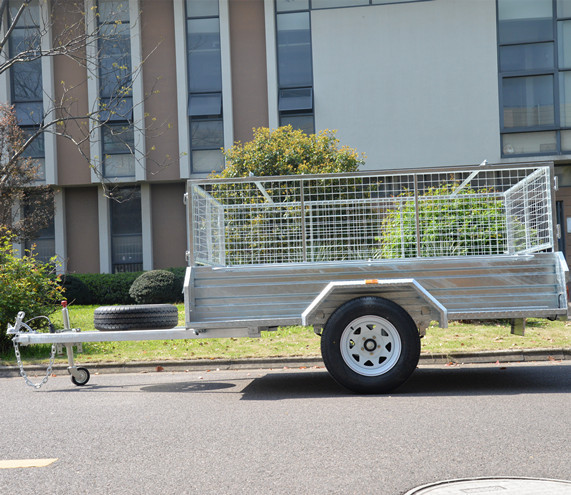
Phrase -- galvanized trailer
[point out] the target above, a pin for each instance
(368, 259)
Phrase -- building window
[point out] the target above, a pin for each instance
(126, 230)
(285, 5)
(26, 77)
(205, 106)
(295, 68)
(43, 242)
(535, 76)
(115, 89)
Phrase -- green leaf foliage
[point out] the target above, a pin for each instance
(468, 223)
(156, 287)
(108, 288)
(288, 151)
(25, 285)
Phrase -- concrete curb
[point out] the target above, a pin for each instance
(509, 356)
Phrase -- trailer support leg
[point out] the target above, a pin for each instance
(518, 326)
(72, 368)
(79, 376)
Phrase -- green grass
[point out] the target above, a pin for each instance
(294, 341)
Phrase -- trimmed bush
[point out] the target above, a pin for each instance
(76, 291)
(155, 287)
(109, 288)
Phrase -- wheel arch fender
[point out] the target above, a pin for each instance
(422, 306)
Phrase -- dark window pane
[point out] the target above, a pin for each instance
(201, 8)
(298, 99)
(25, 41)
(294, 50)
(27, 81)
(207, 161)
(563, 8)
(523, 30)
(118, 139)
(204, 65)
(527, 57)
(30, 16)
(26, 75)
(127, 253)
(207, 134)
(563, 43)
(30, 114)
(36, 148)
(529, 143)
(117, 109)
(303, 122)
(113, 10)
(565, 98)
(289, 5)
(205, 105)
(114, 62)
(324, 4)
(528, 101)
(391, 1)
(126, 212)
(525, 20)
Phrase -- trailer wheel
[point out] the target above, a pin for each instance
(83, 377)
(136, 317)
(370, 345)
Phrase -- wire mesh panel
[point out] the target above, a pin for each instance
(529, 214)
(208, 228)
(351, 217)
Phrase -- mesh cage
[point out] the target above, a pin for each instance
(356, 217)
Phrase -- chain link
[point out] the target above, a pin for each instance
(23, 372)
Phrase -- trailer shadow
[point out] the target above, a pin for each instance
(425, 382)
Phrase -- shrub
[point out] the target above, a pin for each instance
(25, 285)
(469, 223)
(76, 291)
(155, 287)
(109, 288)
(288, 151)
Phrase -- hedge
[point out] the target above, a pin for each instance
(155, 287)
(107, 288)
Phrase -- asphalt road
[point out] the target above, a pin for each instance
(284, 431)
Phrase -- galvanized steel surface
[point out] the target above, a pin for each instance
(382, 215)
(486, 287)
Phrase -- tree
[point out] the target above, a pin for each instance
(17, 176)
(61, 30)
(287, 151)
(263, 219)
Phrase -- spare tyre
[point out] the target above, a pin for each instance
(136, 317)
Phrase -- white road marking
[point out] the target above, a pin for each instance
(26, 463)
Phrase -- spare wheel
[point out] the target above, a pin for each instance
(136, 317)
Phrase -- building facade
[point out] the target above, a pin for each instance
(411, 84)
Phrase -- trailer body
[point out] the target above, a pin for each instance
(368, 259)
(264, 249)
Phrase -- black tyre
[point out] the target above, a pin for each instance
(83, 377)
(137, 317)
(370, 345)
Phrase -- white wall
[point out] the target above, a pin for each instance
(411, 84)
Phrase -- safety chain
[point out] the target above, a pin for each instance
(23, 373)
